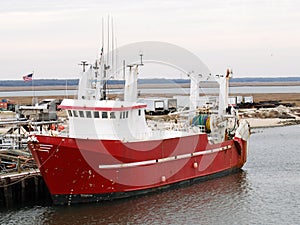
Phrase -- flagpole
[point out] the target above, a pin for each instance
(33, 89)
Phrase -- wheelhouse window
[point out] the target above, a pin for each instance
(139, 112)
(88, 114)
(112, 115)
(75, 113)
(104, 115)
(81, 114)
(70, 113)
(124, 115)
(96, 114)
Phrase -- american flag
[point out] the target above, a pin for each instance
(28, 77)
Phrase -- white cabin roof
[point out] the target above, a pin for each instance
(103, 105)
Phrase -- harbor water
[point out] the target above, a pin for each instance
(266, 191)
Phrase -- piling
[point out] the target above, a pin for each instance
(21, 188)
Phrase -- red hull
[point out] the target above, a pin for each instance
(80, 170)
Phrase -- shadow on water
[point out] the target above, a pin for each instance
(210, 201)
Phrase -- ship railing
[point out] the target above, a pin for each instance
(167, 125)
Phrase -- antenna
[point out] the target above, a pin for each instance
(141, 56)
(112, 43)
(107, 60)
(102, 50)
(116, 57)
(124, 68)
(136, 64)
(83, 64)
(102, 32)
(96, 67)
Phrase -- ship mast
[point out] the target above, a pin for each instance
(223, 95)
(130, 92)
(104, 63)
(108, 61)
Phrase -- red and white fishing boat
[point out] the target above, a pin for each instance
(112, 151)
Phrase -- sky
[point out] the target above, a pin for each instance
(256, 38)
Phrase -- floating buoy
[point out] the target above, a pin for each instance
(60, 128)
(163, 179)
(195, 165)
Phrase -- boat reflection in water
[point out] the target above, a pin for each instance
(216, 200)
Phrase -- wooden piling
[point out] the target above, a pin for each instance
(20, 188)
(23, 193)
(8, 196)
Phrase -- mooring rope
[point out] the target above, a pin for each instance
(19, 180)
(54, 151)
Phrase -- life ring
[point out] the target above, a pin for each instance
(53, 127)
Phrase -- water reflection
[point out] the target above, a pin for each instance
(198, 203)
(240, 90)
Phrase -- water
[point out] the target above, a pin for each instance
(265, 192)
(233, 90)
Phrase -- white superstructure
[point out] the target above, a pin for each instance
(93, 116)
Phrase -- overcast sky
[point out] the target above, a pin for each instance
(256, 38)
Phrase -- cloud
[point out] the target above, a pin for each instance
(46, 32)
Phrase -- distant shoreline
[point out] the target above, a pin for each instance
(163, 85)
(282, 97)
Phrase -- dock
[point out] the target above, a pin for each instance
(19, 188)
(20, 179)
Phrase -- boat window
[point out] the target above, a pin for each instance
(75, 113)
(104, 115)
(70, 113)
(139, 112)
(88, 114)
(96, 114)
(112, 115)
(81, 114)
(121, 115)
(126, 114)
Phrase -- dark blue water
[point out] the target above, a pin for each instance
(267, 191)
